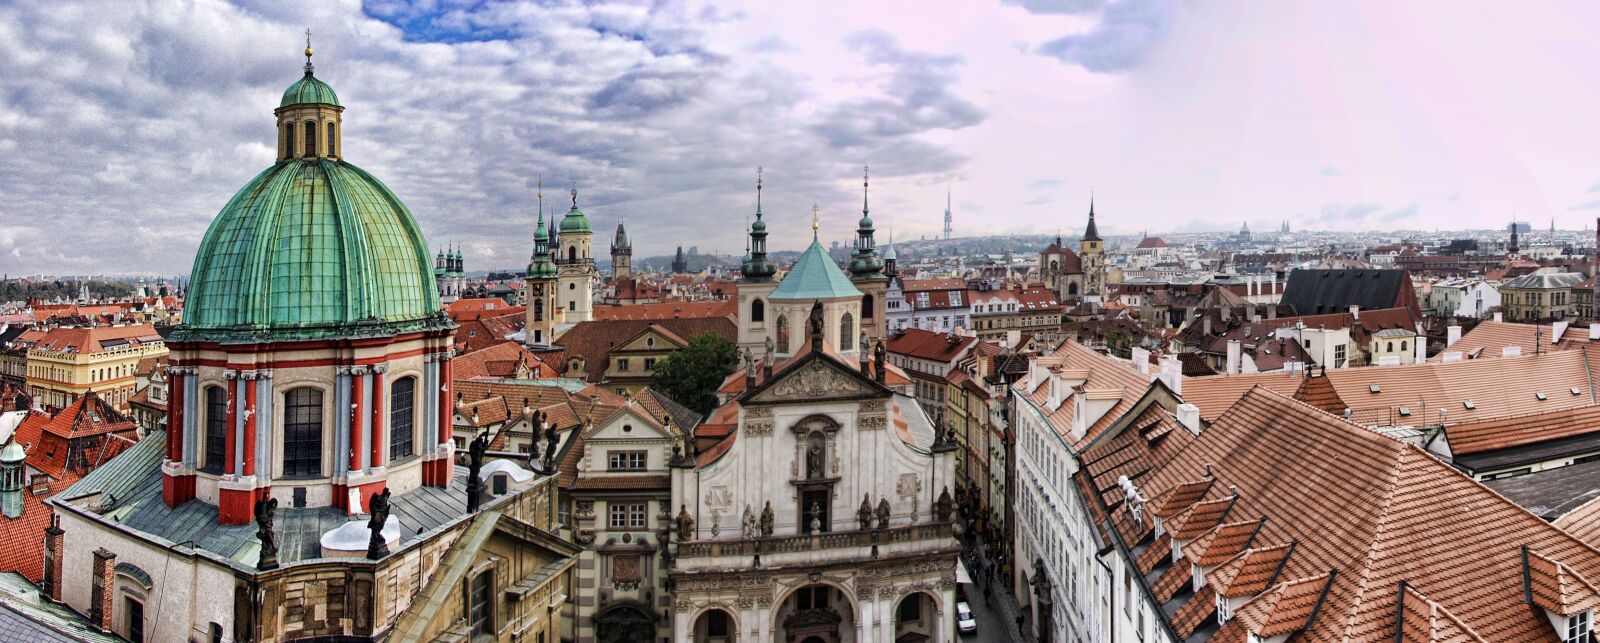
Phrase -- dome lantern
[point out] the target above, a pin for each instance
(310, 124)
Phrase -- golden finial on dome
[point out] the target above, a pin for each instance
(814, 209)
(308, 52)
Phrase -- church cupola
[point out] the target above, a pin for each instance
(865, 264)
(12, 458)
(310, 124)
(758, 267)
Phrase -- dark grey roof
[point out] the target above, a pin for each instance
(681, 415)
(1530, 454)
(1552, 492)
(1317, 292)
(1544, 281)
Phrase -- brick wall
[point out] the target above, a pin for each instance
(100, 593)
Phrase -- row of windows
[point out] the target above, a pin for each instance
(302, 427)
(310, 140)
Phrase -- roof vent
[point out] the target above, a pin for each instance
(1542, 397)
(1469, 405)
(1375, 388)
(1575, 391)
(1405, 411)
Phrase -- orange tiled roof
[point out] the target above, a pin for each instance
(1502, 433)
(1583, 522)
(1286, 608)
(1105, 373)
(1489, 339)
(22, 548)
(1249, 572)
(1220, 543)
(96, 339)
(1372, 509)
(1425, 621)
(1558, 588)
(670, 310)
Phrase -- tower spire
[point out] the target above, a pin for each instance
(308, 51)
(864, 172)
(758, 192)
(814, 227)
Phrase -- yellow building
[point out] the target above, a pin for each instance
(67, 362)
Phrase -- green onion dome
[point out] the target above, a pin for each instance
(311, 249)
(575, 221)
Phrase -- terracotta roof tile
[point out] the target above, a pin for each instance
(630, 483)
(1285, 607)
(1194, 612)
(1178, 499)
(1558, 588)
(1502, 433)
(1176, 579)
(1159, 551)
(1200, 517)
(594, 340)
(926, 344)
(1220, 543)
(1583, 522)
(1424, 621)
(1250, 571)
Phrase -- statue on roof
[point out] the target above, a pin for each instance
(942, 506)
(377, 546)
(884, 513)
(265, 508)
(685, 524)
(816, 326)
(880, 359)
(864, 514)
(550, 442)
(475, 452)
(749, 525)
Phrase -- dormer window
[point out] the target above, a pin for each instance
(1580, 628)
(1224, 610)
(1255, 638)
(1197, 575)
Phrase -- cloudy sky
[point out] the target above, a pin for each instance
(125, 126)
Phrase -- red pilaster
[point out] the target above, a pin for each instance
(233, 425)
(357, 420)
(250, 428)
(173, 430)
(377, 458)
(236, 506)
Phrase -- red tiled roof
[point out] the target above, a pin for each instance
(943, 283)
(594, 340)
(1425, 621)
(1373, 509)
(727, 308)
(1105, 375)
(22, 547)
(1490, 338)
(1558, 588)
(1501, 433)
(96, 339)
(623, 482)
(1285, 608)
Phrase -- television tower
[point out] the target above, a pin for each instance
(947, 213)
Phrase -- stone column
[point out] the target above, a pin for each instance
(264, 428)
(341, 427)
(248, 456)
(358, 395)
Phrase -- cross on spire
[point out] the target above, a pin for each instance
(308, 51)
(814, 227)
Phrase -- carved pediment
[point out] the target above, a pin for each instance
(815, 380)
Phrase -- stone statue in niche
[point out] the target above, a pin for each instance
(749, 526)
(685, 524)
(883, 513)
(815, 454)
(864, 514)
(942, 506)
(767, 520)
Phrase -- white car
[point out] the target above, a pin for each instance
(964, 621)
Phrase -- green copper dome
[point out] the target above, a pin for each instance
(309, 90)
(574, 221)
(814, 276)
(311, 249)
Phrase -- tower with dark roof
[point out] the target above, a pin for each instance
(621, 253)
(755, 285)
(1091, 250)
(866, 270)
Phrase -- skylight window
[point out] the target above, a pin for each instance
(1542, 397)
(1575, 391)
(1375, 388)
(1405, 411)
(1469, 405)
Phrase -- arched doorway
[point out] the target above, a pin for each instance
(625, 622)
(816, 614)
(715, 626)
(916, 619)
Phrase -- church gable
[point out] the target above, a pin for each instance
(629, 424)
(815, 379)
(651, 339)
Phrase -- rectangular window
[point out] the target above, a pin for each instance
(402, 419)
(1579, 627)
(216, 429)
(622, 364)
(649, 363)
(480, 604)
(626, 460)
(136, 619)
(302, 432)
(627, 515)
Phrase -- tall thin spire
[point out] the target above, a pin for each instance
(308, 52)
(864, 172)
(814, 226)
(758, 192)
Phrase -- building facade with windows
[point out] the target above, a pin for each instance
(825, 510)
(67, 362)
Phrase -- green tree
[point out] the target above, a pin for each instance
(691, 375)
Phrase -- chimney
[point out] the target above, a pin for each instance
(1189, 417)
(1272, 310)
(1172, 373)
(1234, 347)
(1450, 357)
(1498, 318)
(1205, 324)
(1452, 333)
(1422, 349)
(1594, 332)
(1141, 359)
(1355, 312)
(1557, 329)
(1510, 351)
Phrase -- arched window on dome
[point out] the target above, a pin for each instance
(330, 140)
(402, 417)
(867, 307)
(783, 334)
(758, 311)
(302, 432)
(288, 141)
(216, 439)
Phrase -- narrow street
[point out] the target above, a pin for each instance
(992, 606)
